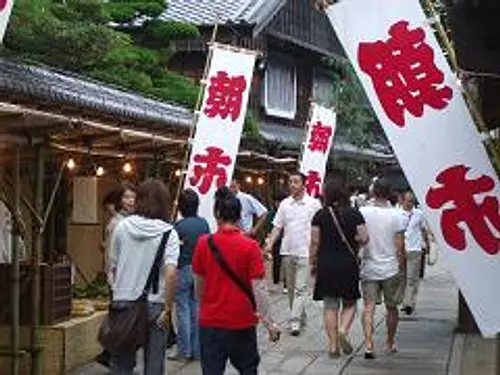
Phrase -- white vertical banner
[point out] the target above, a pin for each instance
(319, 140)
(421, 107)
(5, 11)
(220, 124)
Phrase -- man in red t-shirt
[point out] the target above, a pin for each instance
(227, 315)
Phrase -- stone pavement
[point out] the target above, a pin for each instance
(425, 340)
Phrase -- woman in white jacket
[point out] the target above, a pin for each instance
(134, 244)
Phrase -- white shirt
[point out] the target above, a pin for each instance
(295, 218)
(250, 207)
(379, 259)
(413, 234)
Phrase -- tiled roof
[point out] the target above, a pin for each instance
(43, 83)
(208, 12)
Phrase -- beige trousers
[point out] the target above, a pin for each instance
(297, 282)
(413, 264)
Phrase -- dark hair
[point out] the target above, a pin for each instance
(382, 188)
(227, 206)
(124, 187)
(113, 197)
(302, 176)
(335, 192)
(189, 203)
(152, 200)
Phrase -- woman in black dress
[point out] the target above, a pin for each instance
(337, 232)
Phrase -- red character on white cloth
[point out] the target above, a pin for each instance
(210, 168)
(404, 74)
(462, 207)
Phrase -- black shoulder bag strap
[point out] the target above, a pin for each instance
(230, 272)
(154, 274)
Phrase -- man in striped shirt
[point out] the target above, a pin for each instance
(294, 217)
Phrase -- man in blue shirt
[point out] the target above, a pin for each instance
(250, 208)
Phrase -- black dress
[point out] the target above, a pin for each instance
(337, 271)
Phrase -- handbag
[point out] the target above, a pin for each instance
(230, 272)
(342, 234)
(125, 328)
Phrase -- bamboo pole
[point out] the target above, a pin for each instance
(36, 259)
(476, 114)
(15, 329)
(197, 107)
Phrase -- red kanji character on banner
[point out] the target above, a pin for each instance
(320, 137)
(214, 168)
(403, 73)
(313, 183)
(3, 4)
(461, 193)
(225, 96)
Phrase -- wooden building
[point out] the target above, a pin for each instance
(297, 46)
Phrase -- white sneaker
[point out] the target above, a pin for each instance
(285, 291)
(295, 329)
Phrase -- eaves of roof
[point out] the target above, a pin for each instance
(42, 83)
(256, 13)
(294, 137)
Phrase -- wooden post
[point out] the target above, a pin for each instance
(15, 330)
(36, 258)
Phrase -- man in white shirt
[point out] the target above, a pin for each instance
(294, 218)
(250, 208)
(382, 261)
(415, 241)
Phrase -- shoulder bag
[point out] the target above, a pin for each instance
(125, 328)
(230, 272)
(342, 234)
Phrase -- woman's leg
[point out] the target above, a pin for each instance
(331, 318)
(346, 319)
(154, 352)
(182, 308)
(347, 316)
(122, 364)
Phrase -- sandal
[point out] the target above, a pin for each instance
(334, 355)
(369, 354)
(392, 348)
(345, 344)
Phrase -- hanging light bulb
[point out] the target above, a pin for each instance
(249, 179)
(71, 164)
(127, 167)
(260, 181)
(99, 171)
(178, 173)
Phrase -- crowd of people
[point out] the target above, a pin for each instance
(216, 285)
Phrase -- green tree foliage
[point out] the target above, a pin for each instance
(122, 42)
(357, 122)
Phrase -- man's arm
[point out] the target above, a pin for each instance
(170, 280)
(261, 220)
(199, 284)
(399, 241)
(271, 239)
(261, 294)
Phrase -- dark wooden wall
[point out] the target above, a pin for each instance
(300, 22)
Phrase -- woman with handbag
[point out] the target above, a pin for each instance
(337, 232)
(231, 286)
(143, 254)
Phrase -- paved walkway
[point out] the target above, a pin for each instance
(424, 340)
